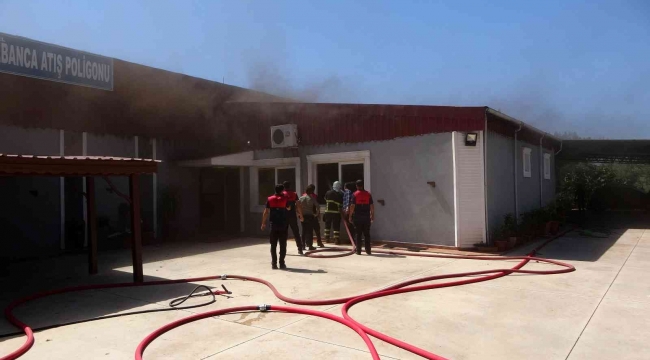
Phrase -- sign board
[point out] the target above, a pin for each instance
(26, 57)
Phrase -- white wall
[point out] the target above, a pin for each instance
(500, 170)
(500, 178)
(414, 212)
(469, 191)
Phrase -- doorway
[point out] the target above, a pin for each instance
(220, 203)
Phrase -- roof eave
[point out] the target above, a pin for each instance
(519, 122)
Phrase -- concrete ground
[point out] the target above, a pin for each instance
(601, 311)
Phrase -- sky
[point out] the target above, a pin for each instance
(574, 66)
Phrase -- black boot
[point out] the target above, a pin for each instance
(283, 266)
(274, 266)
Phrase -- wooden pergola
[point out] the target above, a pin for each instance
(89, 167)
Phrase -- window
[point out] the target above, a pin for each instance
(351, 172)
(266, 173)
(266, 181)
(326, 175)
(527, 159)
(268, 178)
(286, 174)
(324, 169)
(547, 166)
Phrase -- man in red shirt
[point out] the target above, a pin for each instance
(292, 217)
(362, 214)
(276, 213)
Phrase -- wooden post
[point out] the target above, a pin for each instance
(91, 225)
(136, 228)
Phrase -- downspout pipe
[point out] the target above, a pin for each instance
(485, 178)
(559, 151)
(516, 172)
(541, 171)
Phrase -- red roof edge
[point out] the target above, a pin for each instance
(329, 123)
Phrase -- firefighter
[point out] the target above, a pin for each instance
(309, 210)
(276, 212)
(293, 214)
(333, 208)
(362, 214)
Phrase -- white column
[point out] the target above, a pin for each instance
(453, 159)
(62, 190)
(84, 152)
(155, 192)
(366, 173)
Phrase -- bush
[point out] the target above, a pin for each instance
(509, 226)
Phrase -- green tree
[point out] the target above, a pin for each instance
(590, 176)
(635, 175)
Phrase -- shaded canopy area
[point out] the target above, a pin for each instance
(606, 151)
(89, 167)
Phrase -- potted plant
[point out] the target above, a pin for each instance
(499, 241)
(552, 224)
(510, 230)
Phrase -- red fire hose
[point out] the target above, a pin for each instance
(275, 308)
(348, 302)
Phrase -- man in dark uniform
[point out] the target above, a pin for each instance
(362, 214)
(276, 209)
(292, 218)
(332, 217)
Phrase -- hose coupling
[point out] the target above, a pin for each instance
(224, 277)
(264, 307)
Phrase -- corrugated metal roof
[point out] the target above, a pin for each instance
(74, 165)
(321, 124)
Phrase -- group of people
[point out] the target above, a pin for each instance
(284, 209)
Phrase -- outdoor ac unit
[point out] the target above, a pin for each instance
(283, 136)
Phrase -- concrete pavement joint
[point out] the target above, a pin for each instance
(540, 291)
(604, 295)
(381, 288)
(329, 343)
(234, 346)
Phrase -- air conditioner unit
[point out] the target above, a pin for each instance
(283, 136)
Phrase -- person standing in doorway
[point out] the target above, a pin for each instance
(362, 214)
(316, 224)
(293, 214)
(332, 217)
(276, 212)
(309, 210)
(350, 188)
